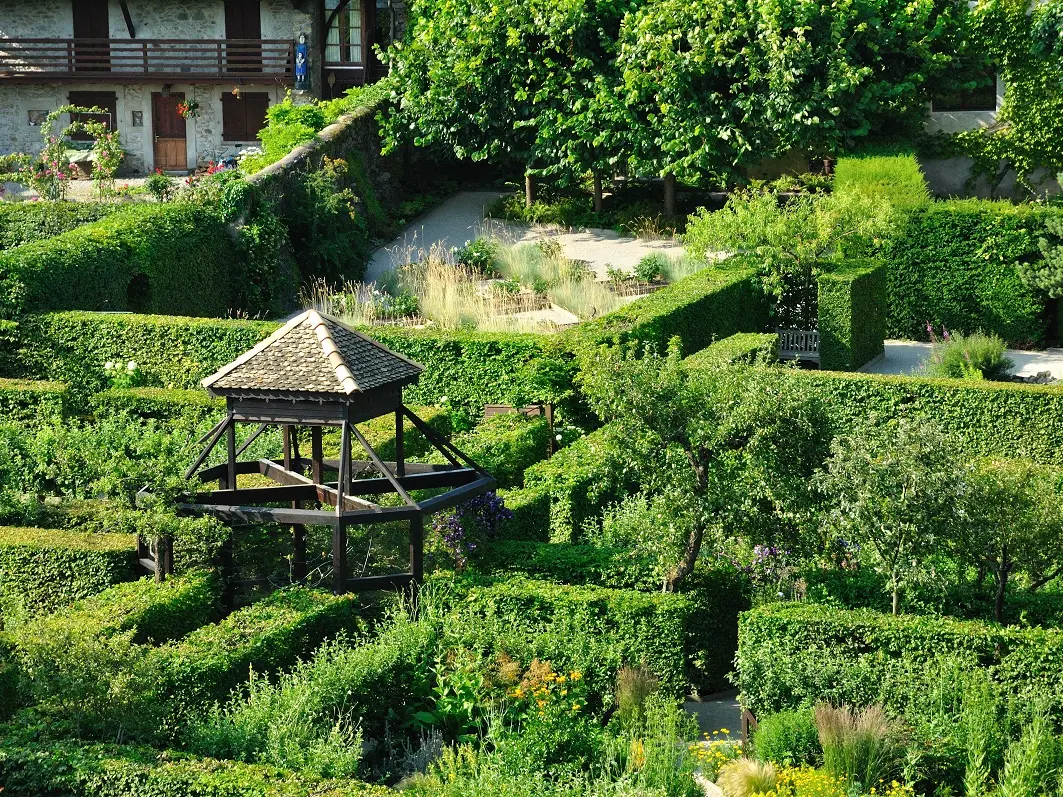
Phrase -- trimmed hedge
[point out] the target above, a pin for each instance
(796, 655)
(157, 402)
(30, 768)
(380, 434)
(44, 569)
(26, 402)
(505, 446)
(852, 323)
(896, 178)
(712, 303)
(631, 627)
(155, 612)
(161, 258)
(743, 347)
(581, 480)
(273, 633)
(26, 222)
(531, 514)
(986, 418)
(174, 351)
(954, 264)
(718, 596)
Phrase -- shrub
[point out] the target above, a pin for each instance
(742, 347)
(531, 514)
(788, 738)
(42, 570)
(974, 356)
(746, 778)
(108, 770)
(26, 402)
(506, 445)
(957, 264)
(897, 178)
(208, 663)
(26, 222)
(851, 315)
(126, 262)
(159, 403)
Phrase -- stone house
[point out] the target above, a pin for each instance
(140, 59)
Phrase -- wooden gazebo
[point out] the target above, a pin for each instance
(313, 373)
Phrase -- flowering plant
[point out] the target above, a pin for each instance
(188, 109)
(457, 534)
(125, 375)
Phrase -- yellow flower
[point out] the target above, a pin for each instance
(575, 675)
(575, 706)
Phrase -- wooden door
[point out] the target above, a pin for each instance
(171, 146)
(92, 25)
(243, 30)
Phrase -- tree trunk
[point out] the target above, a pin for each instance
(1002, 585)
(896, 600)
(597, 192)
(690, 557)
(529, 189)
(669, 196)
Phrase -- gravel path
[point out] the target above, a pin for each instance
(906, 357)
(462, 218)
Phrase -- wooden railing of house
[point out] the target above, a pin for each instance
(136, 60)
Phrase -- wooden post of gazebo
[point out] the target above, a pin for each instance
(313, 373)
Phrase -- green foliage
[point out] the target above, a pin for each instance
(26, 222)
(208, 663)
(958, 264)
(30, 767)
(787, 738)
(742, 347)
(974, 356)
(125, 262)
(1046, 274)
(28, 402)
(797, 655)
(506, 445)
(41, 570)
(531, 514)
(896, 178)
(159, 403)
(852, 316)
(859, 745)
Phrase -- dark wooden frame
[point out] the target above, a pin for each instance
(343, 496)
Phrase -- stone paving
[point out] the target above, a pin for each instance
(907, 357)
(463, 218)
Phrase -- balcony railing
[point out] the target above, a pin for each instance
(171, 60)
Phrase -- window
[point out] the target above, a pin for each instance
(982, 97)
(242, 117)
(107, 100)
(343, 44)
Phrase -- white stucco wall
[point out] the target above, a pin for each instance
(960, 121)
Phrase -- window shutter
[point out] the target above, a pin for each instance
(255, 109)
(232, 118)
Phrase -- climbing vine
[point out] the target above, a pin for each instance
(1027, 47)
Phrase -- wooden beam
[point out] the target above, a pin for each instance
(459, 495)
(252, 438)
(345, 466)
(280, 474)
(216, 436)
(257, 514)
(230, 457)
(316, 455)
(387, 474)
(339, 558)
(328, 494)
(128, 19)
(252, 495)
(400, 446)
(448, 449)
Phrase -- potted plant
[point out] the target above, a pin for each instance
(189, 109)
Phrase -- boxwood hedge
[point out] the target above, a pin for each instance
(26, 402)
(157, 402)
(742, 347)
(796, 655)
(505, 445)
(25, 222)
(168, 258)
(30, 767)
(43, 569)
(852, 322)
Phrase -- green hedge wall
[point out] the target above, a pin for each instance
(155, 612)
(274, 632)
(712, 303)
(986, 418)
(157, 402)
(531, 514)
(505, 445)
(172, 351)
(954, 263)
(795, 655)
(25, 401)
(630, 627)
(896, 178)
(185, 252)
(31, 768)
(852, 323)
(742, 347)
(26, 222)
(717, 595)
(581, 479)
(43, 569)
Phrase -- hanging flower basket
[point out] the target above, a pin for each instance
(189, 109)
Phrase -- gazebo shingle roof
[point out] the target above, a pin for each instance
(313, 354)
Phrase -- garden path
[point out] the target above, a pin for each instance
(717, 712)
(463, 218)
(906, 356)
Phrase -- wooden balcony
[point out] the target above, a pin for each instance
(141, 60)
